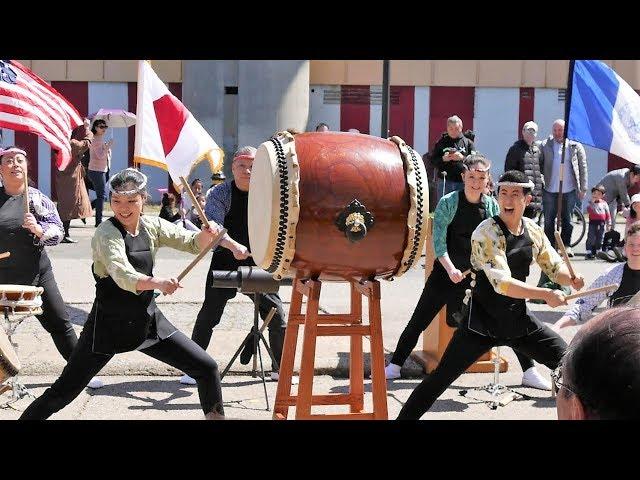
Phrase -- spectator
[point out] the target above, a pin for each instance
(599, 376)
(524, 155)
(322, 127)
(617, 183)
(574, 184)
(599, 220)
(448, 154)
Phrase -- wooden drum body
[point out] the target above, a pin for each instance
(337, 206)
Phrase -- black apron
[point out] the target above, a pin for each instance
(629, 286)
(122, 320)
(23, 267)
(496, 315)
(236, 222)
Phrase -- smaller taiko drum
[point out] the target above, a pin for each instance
(20, 300)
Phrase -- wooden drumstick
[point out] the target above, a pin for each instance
(563, 250)
(5, 255)
(214, 243)
(201, 214)
(606, 288)
(26, 191)
(465, 273)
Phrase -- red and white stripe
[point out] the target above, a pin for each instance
(29, 104)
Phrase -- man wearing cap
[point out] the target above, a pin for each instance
(524, 156)
(227, 205)
(574, 181)
(617, 184)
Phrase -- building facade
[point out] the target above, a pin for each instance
(244, 102)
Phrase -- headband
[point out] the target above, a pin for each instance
(129, 192)
(529, 184)
(12, 150)
(244, 157)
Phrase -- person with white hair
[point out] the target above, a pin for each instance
(124, 316)
(524, 156)
(448, 155)
(574, 181)
(227, 204)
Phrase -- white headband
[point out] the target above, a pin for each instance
(128, 192)
(529, 184)
(12, 150)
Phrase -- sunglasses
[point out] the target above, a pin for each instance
(556, 377)
(102, 126)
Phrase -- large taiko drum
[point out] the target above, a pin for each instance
(337, 206)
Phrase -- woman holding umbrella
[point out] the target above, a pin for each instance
(99, 162)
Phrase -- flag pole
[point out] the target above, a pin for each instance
(567, 112)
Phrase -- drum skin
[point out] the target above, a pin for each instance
(336, 168)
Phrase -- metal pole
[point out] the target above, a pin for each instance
(567, 111)
(384, 129)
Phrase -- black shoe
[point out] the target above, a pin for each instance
(608, 256)
(619, 254)
(589, 256)
(68, 240)
(247, 351)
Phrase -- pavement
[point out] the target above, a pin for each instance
(139, 387)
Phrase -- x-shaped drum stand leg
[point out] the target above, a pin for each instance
(18, 390)
(257, 336)
(501, 395)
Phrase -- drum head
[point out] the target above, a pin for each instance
(264, 201)
(8, 357)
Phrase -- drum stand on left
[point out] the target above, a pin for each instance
(18, 390)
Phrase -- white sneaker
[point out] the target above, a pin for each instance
(569, 252)
(392, 371)
(95, 383)
(532, 378)
(187, 380)
(275, 376)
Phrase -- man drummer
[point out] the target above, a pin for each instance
(227, 205)
(502, 249)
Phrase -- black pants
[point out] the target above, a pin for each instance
(543, 345)
(54, 318)
(177, 351)
(438, 292)
(215, 299)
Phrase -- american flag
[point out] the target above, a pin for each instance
(29, 104)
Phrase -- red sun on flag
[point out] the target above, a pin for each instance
(171, 115)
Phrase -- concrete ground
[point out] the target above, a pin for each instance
(139, 387)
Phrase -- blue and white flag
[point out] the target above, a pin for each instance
(604, 110)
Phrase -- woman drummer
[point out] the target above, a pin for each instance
(25, 235)
(626, 275)
(124, 316)
(456, 217)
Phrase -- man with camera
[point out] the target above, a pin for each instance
(448, 154)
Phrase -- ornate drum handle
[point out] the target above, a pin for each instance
(355, 221)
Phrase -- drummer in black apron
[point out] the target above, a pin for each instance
(124, 316)
(227, 205)
(502, 249)
(25, 236)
